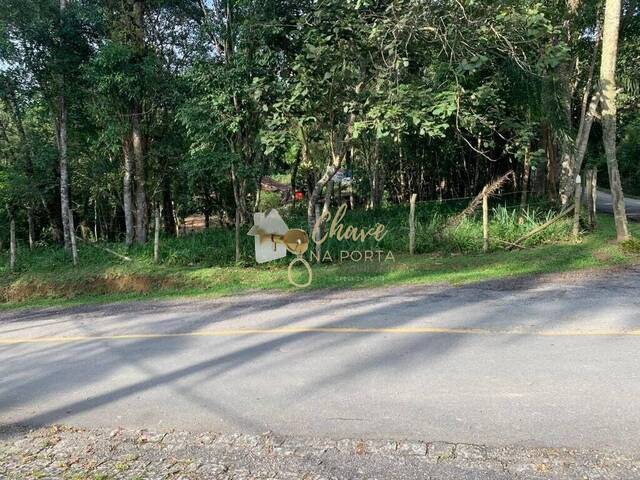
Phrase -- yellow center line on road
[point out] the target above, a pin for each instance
(331, 330)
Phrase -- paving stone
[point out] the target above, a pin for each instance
(412, 448)
(440, 451)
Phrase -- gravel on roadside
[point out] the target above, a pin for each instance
(60, 452)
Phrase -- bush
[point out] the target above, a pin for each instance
(269, 200)
(631, 246)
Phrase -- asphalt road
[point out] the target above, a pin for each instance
(605, 204)
(536, 362)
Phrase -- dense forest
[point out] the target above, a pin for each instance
(115, 112)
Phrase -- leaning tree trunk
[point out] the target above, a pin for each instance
(127, 188)
(339, 152)
(613, 10)
(590, 103)
(328, 174)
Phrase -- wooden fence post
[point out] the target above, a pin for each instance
(12, 244)
(412, 224)
(578, 207)
(72, 231)
(485, 220)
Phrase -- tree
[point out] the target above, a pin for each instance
(61, 137)
(610, 36)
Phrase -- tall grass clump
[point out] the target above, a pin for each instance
(505, 226)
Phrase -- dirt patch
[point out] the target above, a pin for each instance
(29, 290)
(603, 257)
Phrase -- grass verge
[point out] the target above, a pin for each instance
(122, 281)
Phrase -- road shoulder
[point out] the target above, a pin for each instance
(61, 452)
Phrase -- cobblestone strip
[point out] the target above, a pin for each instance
(67, 453)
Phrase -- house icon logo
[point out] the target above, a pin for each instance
(273, 239)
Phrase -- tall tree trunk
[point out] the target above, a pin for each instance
(12, 242)
(328, 196)
(29, 156)
(567, 173)
(141, 193)
(525, 179)
(167, 207)
(156, 238)
(238, 194)
(72, 234)
(375, 179)
(551, 153)
(611, 32)
(590, 104)
(127, 189)
(136, 130)
(95, 219)
(32, 232)
(294, 177)
(61, 127)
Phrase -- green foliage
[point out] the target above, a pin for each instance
(433, 98)
(269, 200)
(631, 246)
(100, 277)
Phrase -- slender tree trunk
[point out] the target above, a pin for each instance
(156, 238)
(31, 228)
(72, 234)
(525, 179)
(136, 131)
(167, 208)
(207, 217)
(402, 174)
(294, 178)
(139, 166)
(12, 244)
(551, 152)
(567, 144)
(328, 196)
(95, 219)
(567, 170)
(376, 178)
(237, 231)
(590, 104)
(613, 10)
(237, 196)
(328, 174)
(28, 162)
(61, 125)
(339, 152)
(127, 189)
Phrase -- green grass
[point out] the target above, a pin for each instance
(200, 265)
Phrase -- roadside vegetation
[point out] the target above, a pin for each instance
(202, 264)
(122, 120)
